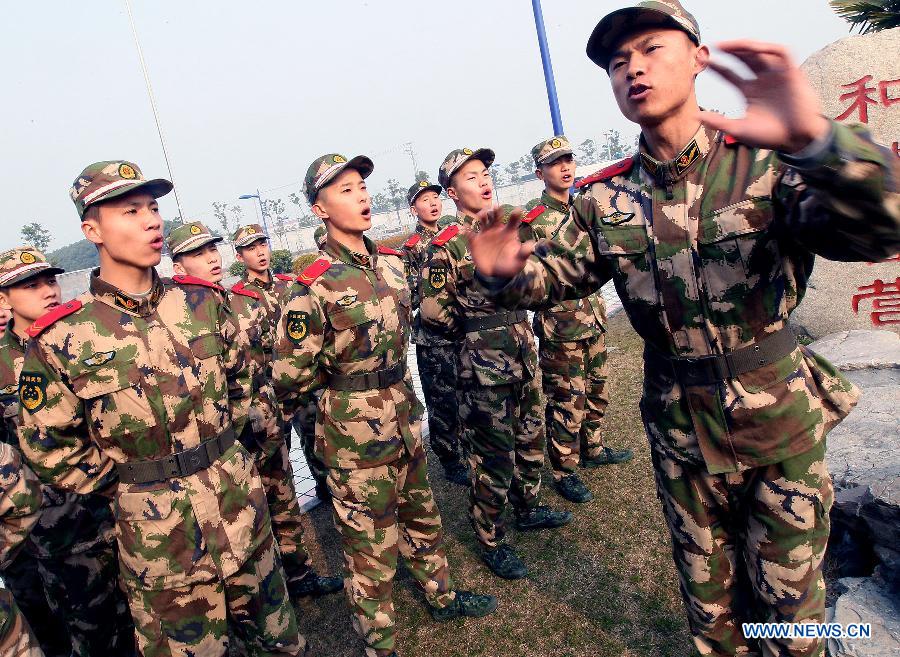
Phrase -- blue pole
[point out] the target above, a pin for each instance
(548, 67)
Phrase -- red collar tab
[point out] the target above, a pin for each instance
(616, 169)
(384, 250)
(311, 273)
(446, 235)
(729, 140)
(534, 214)
(412, 241)
(238, 288)
(43, 323)
(285, 277)
(193, 280)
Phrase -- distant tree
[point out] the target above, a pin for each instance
(588, 151)
(380, 203)
(422, 175)
(36, 235)
(276, 213)
(868, 15)
(512, 169)
(498, 174)
(395, 195)
(238, 269)
(615, 145)
(282, 261)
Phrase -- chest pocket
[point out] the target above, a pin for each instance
(356, 331)
(735, 248)
(627, 246)
(115, 402)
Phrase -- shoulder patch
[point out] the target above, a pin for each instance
(238, 288)
(384, 250)
(313, 271)
(43, 323)
(193, 280)
(446, 235)
(533, 214)
(412, 241)
(611, 171)
(729, 140)
(285, 277)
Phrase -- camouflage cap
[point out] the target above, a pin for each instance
(189, 237)
(325, 168)
(17, 265)
(102, 181)
(419, 188)
(612, 27)
(456, 158)
(551, 150)
(247, 235)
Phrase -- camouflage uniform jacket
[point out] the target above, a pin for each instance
(450, 296)
(415, 253)
(20, 503)
(116, 379)
(710, 253)
(349, 314)
(576, 319)
(273, 293)
(69, 523)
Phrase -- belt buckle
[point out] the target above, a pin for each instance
(191, 460)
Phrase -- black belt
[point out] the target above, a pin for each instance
(706, 370)
(180, 464)
(370, 381)
(496, 320)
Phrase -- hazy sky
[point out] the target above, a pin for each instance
(250, 93)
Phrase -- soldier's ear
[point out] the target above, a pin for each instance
(319, 211)
(4, 301)
(701, 59)
(179, 269)
(539, 173)
(452, 195)
(92, 232)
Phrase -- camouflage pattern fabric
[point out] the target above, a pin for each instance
(571, 352)
(755, 535)
(710, 253)
(350, 314)
(65, 581)
(414, 256)
(273, 294)
(122, 379)
(20, 503)
(439, 373)
(501, 400)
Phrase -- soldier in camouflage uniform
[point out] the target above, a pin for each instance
(196, 256)
(65, 581)
(251, 245)
(20, 504)
(346, 326)
(137, 390)
(709, 234)
(436, 356)
(572, 353)
(498, 367)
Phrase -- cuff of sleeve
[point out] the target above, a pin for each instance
(813, 154)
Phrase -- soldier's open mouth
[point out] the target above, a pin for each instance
(157, 243)
(638, 91)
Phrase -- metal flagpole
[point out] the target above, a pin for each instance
(162, 139)
(548, 67)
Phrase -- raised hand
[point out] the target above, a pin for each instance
(783, 112)
(497, 250)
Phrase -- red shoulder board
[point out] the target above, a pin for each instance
(412, 241)
(238, 288)
(285, 277)
(534, 214)
(446, 235)
(384, 250)
(616, 169)
(42, 323)
(311, 273)
(193, 280)
(729, 140)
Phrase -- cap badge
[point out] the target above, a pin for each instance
(251, 230)
(338, 159)
(27, 258)
(556, 143)
(467, 151)
(126, 171)
(195, 230)
(423, 183)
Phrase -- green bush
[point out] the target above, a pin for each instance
(281, 261)
(238, 269)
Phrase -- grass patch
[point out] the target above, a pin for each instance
(604, 586)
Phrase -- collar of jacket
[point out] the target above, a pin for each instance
(555, 204)
(12, 340)
(342, 254)
(113, 296)
(424, 232)
(665, 173)
(258, 282)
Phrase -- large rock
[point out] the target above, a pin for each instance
(866, 600)
(827, 307)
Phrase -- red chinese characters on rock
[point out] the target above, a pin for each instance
(861, 95)
(885, 300)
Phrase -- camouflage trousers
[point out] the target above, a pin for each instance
(305, 426)
(574, 378)
(506, 444)
(439, 372)
(16, 639)
(277, 477)
(195, 620)
(748, 547)
(66, 580)
(380, 512)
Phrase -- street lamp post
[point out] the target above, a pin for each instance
(555, 116)
(262, 208)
